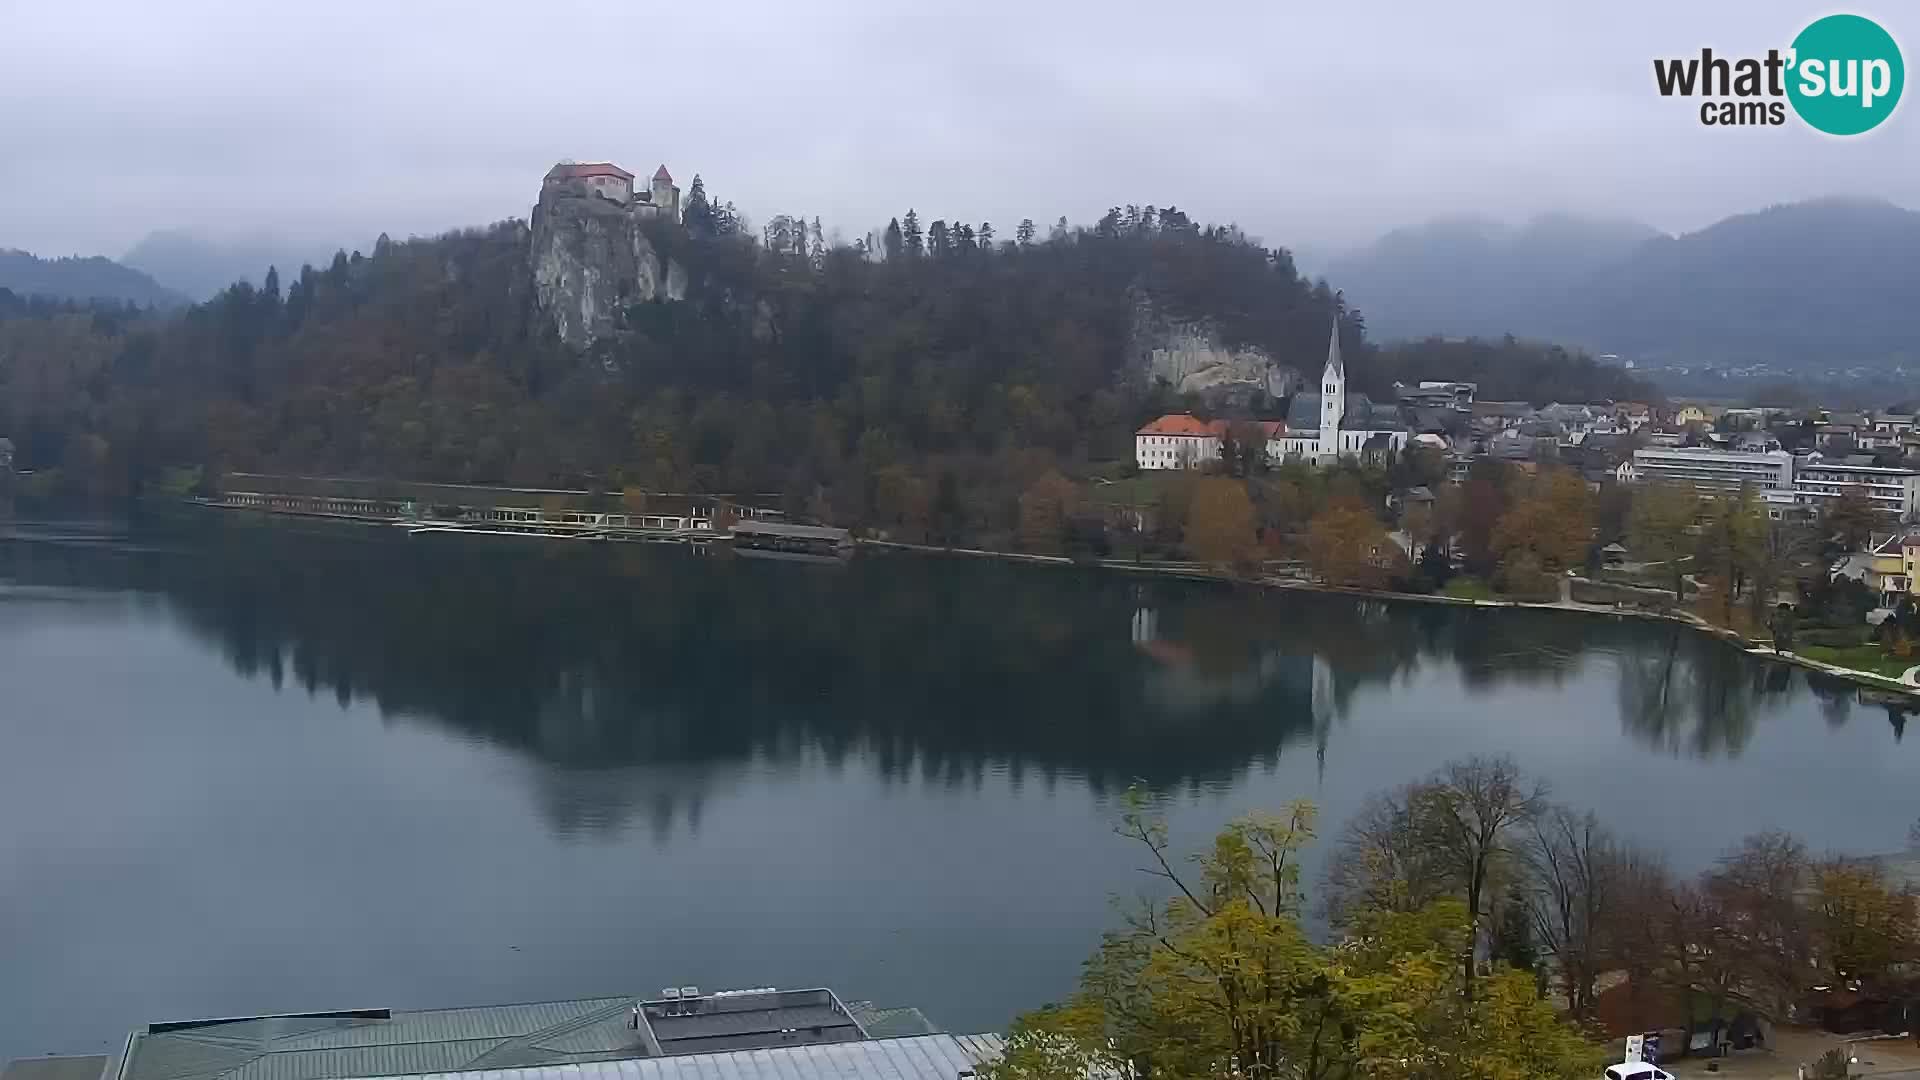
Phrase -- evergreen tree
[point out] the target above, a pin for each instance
(985, 235)
(698, 215)
(1024, 234)
(938, 243)
(270, 289)
(910, 232)
(894, 243)
(963, 239)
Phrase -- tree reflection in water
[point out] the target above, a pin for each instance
(633, 680)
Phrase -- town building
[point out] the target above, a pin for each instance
(1440, 395)
(1324, 426)
(1780, 478)
(1183, 441)
(1687, 415)
(1893, 490)
(1711, 470)
(615, 184)
(759, 1034)
(1177, 441)
(1891, 566)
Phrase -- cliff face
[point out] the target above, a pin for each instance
(590, 261)
(1191, 357)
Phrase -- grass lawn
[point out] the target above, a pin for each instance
(1467, 588)
(1867, 657)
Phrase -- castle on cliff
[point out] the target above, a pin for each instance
(615, 184)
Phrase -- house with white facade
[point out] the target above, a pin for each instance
(1183, 441)
(1177, 441)
(1325, 426)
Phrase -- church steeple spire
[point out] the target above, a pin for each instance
(1336, 368)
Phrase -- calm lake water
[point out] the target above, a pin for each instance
(263, 767)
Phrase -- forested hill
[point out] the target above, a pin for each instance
(93, 278)
(864, 389)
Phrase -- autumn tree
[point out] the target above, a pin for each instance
(1474, 814)
(1481, 503)
(1219, 528)
(1866, 925)
(1219, 979)
(1548, 517)
(1660, 526)
(1346, 545)
(1758, 885)
(1849, 518)
(1382, 861)
(1572, 861)
(1045, 508)
(1732, 544)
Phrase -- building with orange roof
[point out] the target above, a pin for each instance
(1183, 441)
(615, 184)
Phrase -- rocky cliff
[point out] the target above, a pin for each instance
(1192, 357)
(591, 261)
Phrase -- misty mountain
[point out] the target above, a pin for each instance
(1813, 285)
(1469, 276)
(1810, 286)
(74, 278)
(200, 265)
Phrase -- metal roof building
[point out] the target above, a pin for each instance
(681, 1031)
(914, 1057)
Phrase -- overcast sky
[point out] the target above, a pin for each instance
(1310, 124)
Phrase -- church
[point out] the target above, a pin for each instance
(1334, 423)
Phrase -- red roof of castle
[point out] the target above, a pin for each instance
(581, 170)
(662, 174)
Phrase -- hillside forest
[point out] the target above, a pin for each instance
(921, 382)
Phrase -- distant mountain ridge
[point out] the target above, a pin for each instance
(1825, 282)
(1462, 277)
(82, 278)
(200, 266)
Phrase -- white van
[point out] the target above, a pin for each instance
(1636, 1070)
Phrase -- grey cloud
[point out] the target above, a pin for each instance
(1317, 125)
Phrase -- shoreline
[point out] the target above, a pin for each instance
(1196, 572)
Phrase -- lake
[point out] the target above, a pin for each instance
(254, 766)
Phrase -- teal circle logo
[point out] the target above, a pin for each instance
(1846, 75)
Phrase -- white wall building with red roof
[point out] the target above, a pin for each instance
(615, 184)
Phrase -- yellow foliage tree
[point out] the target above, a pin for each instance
(1549, 517)
(1347, 545)
(1220, 981)
(1220, 523)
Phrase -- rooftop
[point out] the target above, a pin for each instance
(56, 1068)
(581, 170)
(532, 1036)
(918, 1057)
(1179, 424)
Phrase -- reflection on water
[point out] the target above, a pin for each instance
(644, 675)
(459, 770)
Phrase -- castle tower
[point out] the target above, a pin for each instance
(665, 194)
(1333, 395)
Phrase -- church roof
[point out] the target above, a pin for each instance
(1303, 414)
(661, 173)
(1334, 364)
